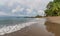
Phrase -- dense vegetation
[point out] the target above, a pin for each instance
(53, 8)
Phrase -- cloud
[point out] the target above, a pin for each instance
(37, 4)
(3, 14)
(14, 10)
(18, 8)
(23, 7)
(41, 12)
(29, 10)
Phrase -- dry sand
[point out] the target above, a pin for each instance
(55, 19)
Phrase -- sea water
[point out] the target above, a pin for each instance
(12, 24)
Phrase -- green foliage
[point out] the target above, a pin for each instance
(56, 0)
(53, 8)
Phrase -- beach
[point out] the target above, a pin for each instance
(35, 27)
(48, 26)
(33, 30)
(54, 19)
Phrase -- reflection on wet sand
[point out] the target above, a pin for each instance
(54, 28)
(33, 30)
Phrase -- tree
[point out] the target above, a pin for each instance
(53, 8)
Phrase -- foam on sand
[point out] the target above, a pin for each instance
(9, 29)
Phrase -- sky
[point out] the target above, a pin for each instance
(23, 7)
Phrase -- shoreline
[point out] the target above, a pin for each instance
(36, 29)
(32, 30)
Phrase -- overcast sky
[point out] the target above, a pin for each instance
(23, 7)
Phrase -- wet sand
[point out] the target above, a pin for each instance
(33, 30)
(53, 27)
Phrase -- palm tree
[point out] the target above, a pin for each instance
(53, 8)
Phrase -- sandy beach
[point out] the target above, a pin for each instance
(39, 29)
(54, 19)
(33, 30)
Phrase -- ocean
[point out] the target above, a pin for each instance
(12, 24)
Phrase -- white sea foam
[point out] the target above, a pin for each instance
(10, 29)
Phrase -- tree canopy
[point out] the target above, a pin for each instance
(53, 8)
